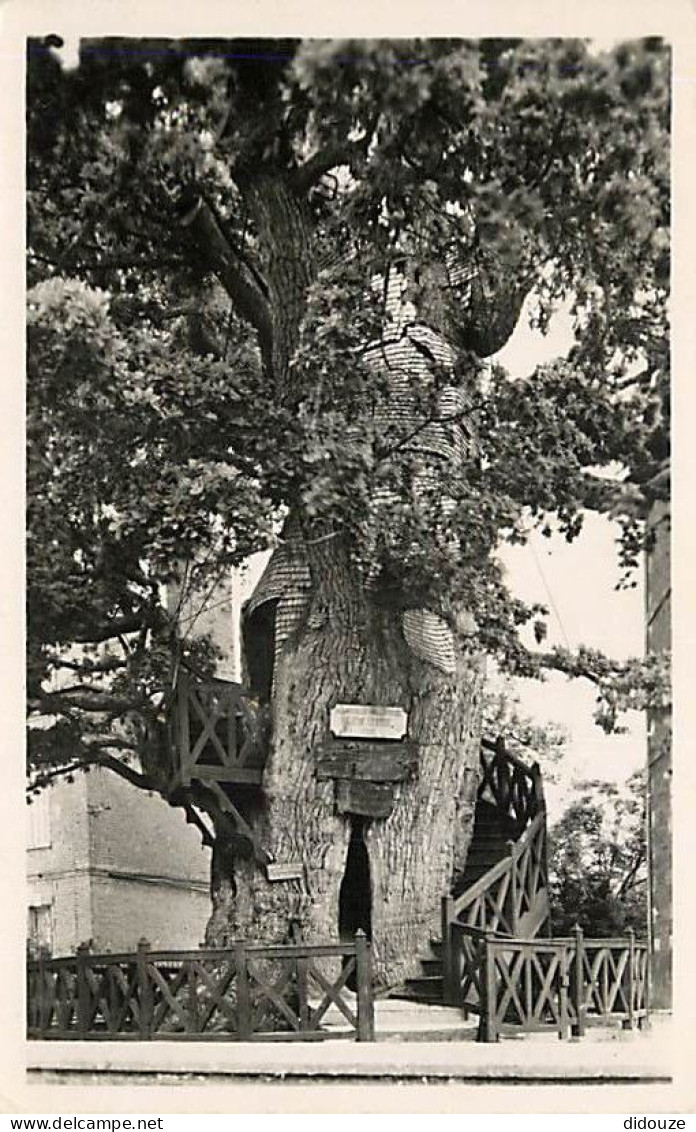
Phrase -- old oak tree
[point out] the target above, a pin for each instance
(265, 278)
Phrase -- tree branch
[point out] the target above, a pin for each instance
(82, 698)
(88, 667)
(238, 279)
(629, 880)
(129, 623)
(123, 262)
(337, 153)
(46, 776)
(142, 781)
(194, 818)
(459, 417)
(100, 758)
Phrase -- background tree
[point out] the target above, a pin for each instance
(598, 860)
(216, 229)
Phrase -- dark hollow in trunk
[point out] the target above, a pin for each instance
(355, 893)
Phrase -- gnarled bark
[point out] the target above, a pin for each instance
(351, 650)
(348, 648)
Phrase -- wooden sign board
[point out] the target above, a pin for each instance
(368, 721)
(367, 760)
(369, 799)
(284, 871)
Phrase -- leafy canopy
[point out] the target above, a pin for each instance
(598, 860)
(212, 225)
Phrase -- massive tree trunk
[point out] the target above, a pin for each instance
(351, 650)
(385, 874)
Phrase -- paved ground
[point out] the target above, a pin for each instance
(441, 1048)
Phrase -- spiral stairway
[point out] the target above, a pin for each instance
(504, 887)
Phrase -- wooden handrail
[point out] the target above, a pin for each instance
(480, 886)
(203, 954)
(537, 823)
(520, 764)
(565, 940)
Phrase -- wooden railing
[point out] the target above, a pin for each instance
(523, 985)
(243, 993)
(217, 733)
(512, 896)
(514, 788)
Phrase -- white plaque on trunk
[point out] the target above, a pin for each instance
(289, 870)
(368, 721)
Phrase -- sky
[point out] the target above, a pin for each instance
(577, 581)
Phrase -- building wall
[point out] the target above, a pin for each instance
(213, 613)
(127, 908)
(58, 865)
(121, 864)
(150, 872)
(659, 637)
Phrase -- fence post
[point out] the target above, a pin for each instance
(537, 790)
(578, 989)
(42, 1007)
(644, 1017)
(488, 1027)
(513, 888)
(144, 990)
(363, 984)
(629, 1022)
(447, 916)
(83, 997)
(564, 972)
(192, 1016)
(244, 1020)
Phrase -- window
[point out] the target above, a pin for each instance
(39, 822)
(40, 927)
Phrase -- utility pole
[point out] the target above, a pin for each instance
(659, 770)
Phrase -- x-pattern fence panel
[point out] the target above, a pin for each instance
(217, 733)
(613, 975)
(487, 903)
(540, 984)
(529, 986)
(241, 993)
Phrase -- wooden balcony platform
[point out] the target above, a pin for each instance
(219, 733)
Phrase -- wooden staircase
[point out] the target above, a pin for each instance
(504, 886)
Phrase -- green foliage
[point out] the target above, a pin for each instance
(597, 861)
(535, 741)
(183, 398)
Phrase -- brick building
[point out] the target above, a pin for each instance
(108, 863)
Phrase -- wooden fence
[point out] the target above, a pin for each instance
(523, 985)
(243, 993)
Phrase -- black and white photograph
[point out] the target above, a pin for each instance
(347, 558)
